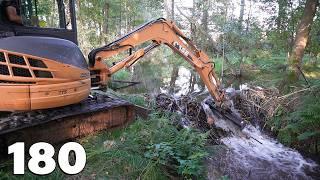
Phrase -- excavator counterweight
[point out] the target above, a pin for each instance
(41, 73)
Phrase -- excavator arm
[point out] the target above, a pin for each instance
(156, 32)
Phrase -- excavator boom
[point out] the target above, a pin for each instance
(156, 32)
(51, 82)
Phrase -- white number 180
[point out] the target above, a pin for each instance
(42, 161)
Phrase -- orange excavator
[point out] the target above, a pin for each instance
(47, 79)
(157, 32)
(56, 74)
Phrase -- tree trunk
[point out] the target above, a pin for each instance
(241, 17)
(205, 15)
(167, 9)
(204, 24)
(120, 24)
(249, 16)
(192, 25)
(174, 77)
(192, 82)
(172, 10)
(292, 33)
(105, 21)
(175, 70)
(282, 15)
(301, 40)
(101, 34)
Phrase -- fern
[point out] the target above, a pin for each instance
(308, 135)
(303, 125)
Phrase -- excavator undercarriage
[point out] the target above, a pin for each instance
(96, 113)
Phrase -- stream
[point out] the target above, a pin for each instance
(250, 154)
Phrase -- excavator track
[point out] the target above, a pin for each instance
(96, 113)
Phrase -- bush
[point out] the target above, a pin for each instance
(147, 149)
(134, 98)
(303, 125)
(152, 149)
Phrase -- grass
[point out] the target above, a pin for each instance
(7, 175)
(146, 149)
(153, 149)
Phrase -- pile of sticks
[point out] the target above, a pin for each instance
(192, 112)
(187, 106)
(257, 105)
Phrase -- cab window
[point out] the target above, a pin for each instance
(46, 13)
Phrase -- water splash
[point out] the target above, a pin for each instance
(258, 156)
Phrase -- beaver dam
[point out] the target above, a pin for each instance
(241, 151)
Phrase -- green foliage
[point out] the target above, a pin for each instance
(100, 21)
(135, 99)
(121, 75)
(184, 154)
(282, 24)
(303, 125)
(147, 149)
(224, 178)
(7, 175)
(239, 42)
(151, 149)
(314, 45)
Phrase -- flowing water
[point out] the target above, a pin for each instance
(254, 155)
(250, 154)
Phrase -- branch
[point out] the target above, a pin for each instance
(297, 92)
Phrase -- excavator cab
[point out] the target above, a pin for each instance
(41, 18)
(45, 80)
(41, 65)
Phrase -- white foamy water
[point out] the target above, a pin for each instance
(250, 154)
(258, 156)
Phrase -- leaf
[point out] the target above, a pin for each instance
(308, 135)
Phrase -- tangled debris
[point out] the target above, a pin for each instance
(188, 107)
(193, 114)
(257, 105)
